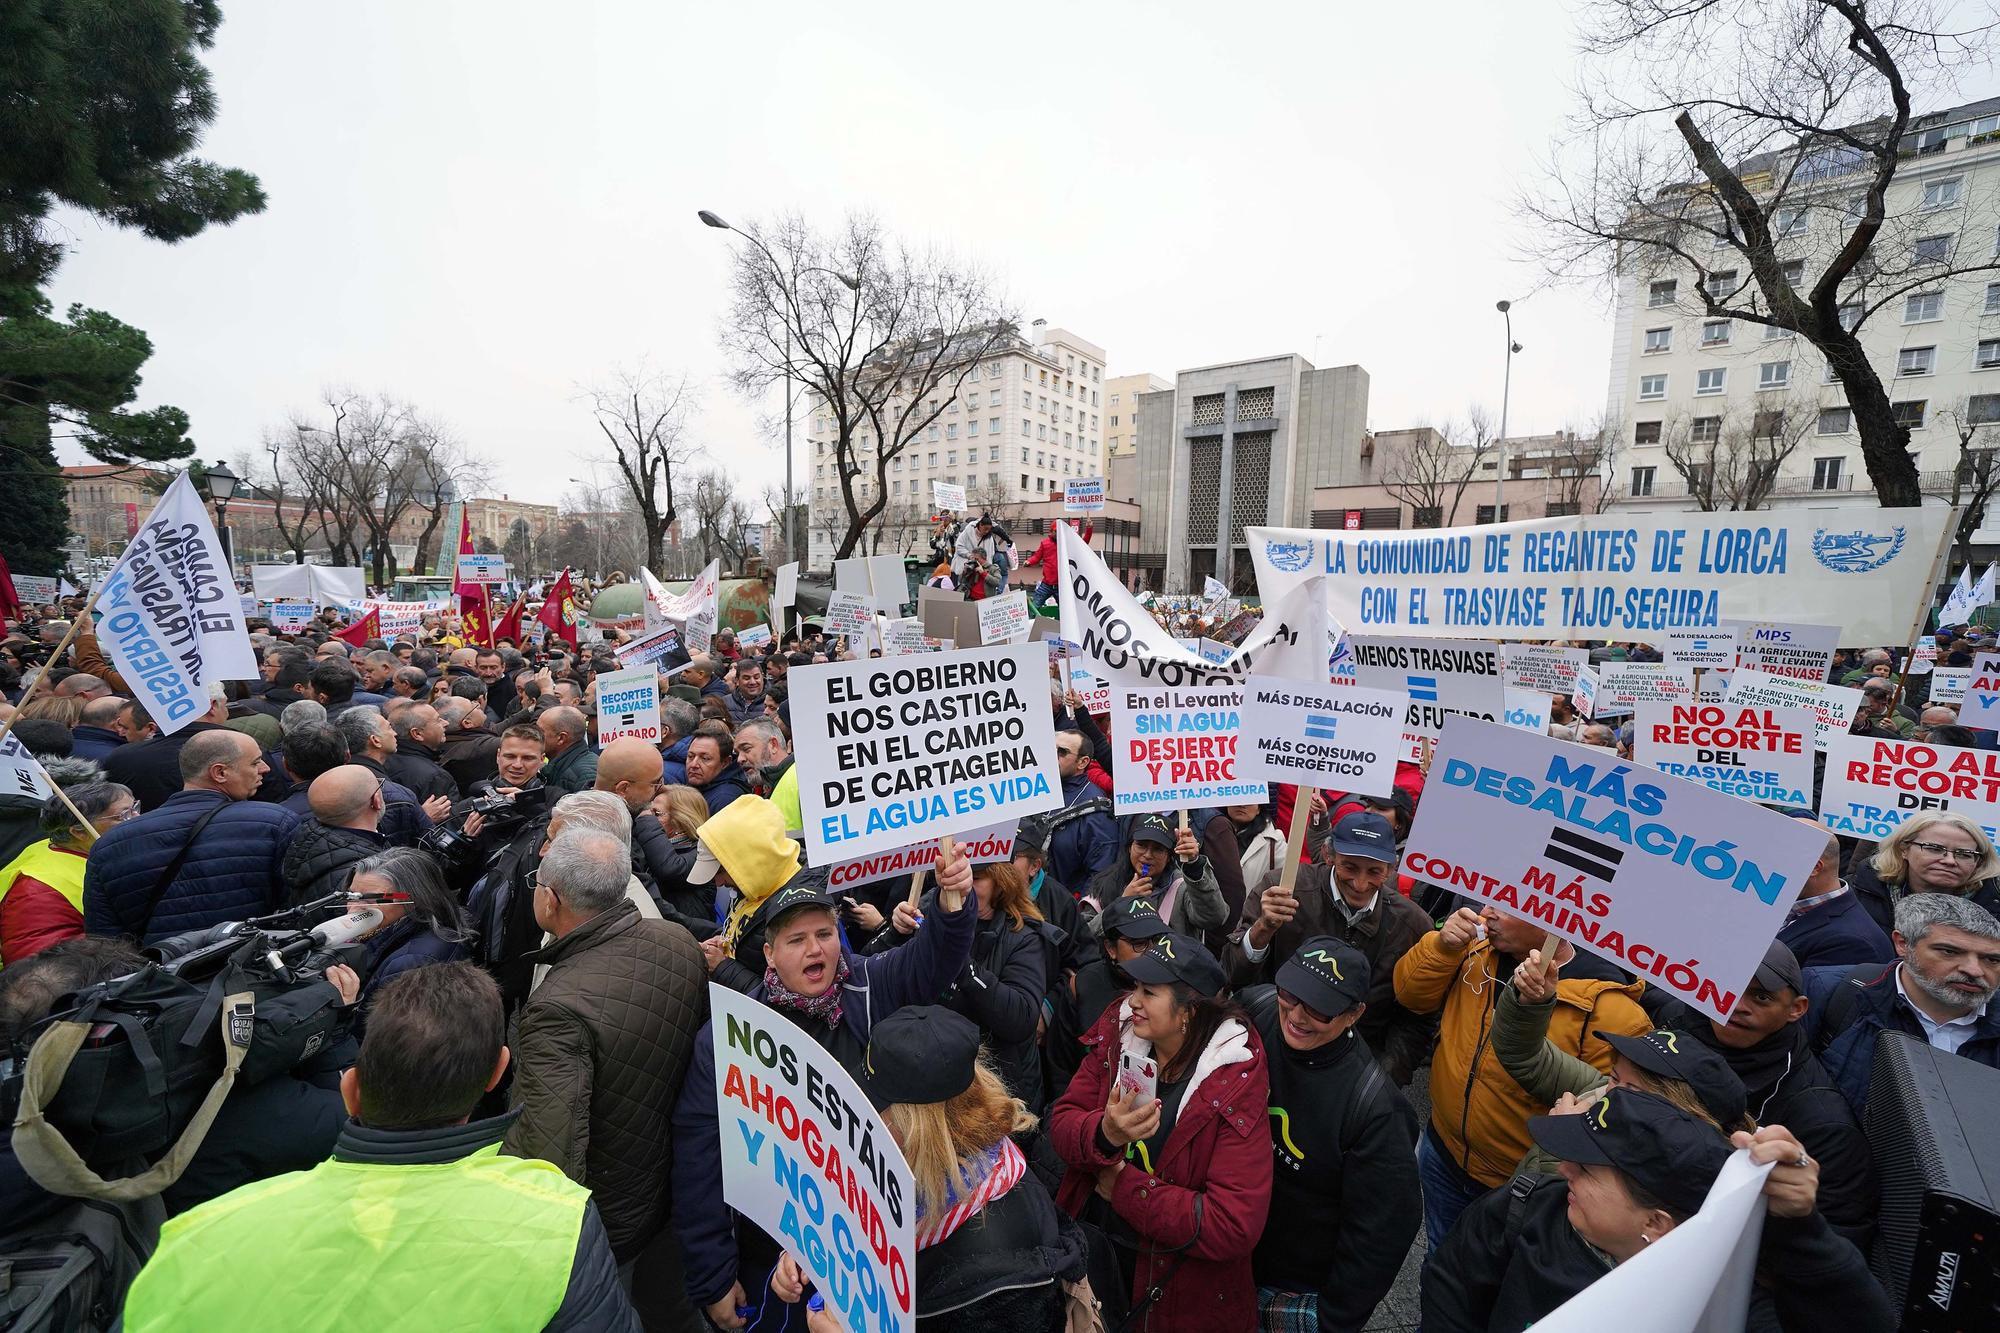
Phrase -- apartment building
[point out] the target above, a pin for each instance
(1029, 413)
(1121, 411)
(1752, 413)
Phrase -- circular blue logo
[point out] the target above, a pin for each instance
(1858, 551)
(1291, 557)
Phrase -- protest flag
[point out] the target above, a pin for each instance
(10, 601)
(559, 611)
(510, 624)
(1987, 592)
(1958, 605)
(364, 629)
(474, 627)
(173, 621)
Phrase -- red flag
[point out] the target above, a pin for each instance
(474, 628)
(10, 600)
(510, 624)
(364, 629)
(559, 611)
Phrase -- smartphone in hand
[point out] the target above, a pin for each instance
(1139, 1079)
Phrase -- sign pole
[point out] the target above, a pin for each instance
(916, 889)
(1295, 838)
(1938, 563)
(75, 627)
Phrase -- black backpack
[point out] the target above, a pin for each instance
(69, 1273)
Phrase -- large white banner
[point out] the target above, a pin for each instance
(1178, 748)
(1871, 786)
(173, 621)
(894, 749)
(1440, 679)
(1342, 737)
(1620, 576)
(1760, 754)
(807, 1158)
(1682, 886)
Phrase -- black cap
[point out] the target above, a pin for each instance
(1780, 970)
(1131, 919)
(1327, 974)
(919, 1054)
(790, 899)
(1031, 835)
(1666, 1152)
(1182, 958)
(1365, 833)
(1153, 828)
(1671, 1054)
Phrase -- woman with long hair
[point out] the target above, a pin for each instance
(41, 890)
(422, 922)
(1001, 989)
(1163, 1133)
(1934, 851)
(680, 811)
(994, 1254)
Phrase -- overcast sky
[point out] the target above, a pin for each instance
(483, 207)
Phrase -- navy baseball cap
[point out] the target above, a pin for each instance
(1181, 958)
(922, 1053)
(1671, 1054)
(801, 892)
(1365, 834)
(1131, 919)
(1780, 970)
(1666, 1152)
(1327, 974)
(1153, 828)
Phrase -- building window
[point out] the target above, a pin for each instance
(1715, 333)
(1114, 419)
(1922, 307)
(1826, 474)
(1645, 432)
(1774, 374)
(1560, 509)
(1642, 481)
(1705, 430)
(1024, 481)
(1988, 355)
(1773, 332)
(1850, 315)
(1982, 409)
(1027, 429)
(1652, 386)
(951, 433)
(1836, 420)
(1661, 293)
(1942, 194)
(1709, 381)
(1659, 340)
(1931, 250)
(1426, 516)
(1485, 514)
(1916, 360)
(1720, 284)
(1790, 221)
(1911, 413)
(1114, 400)
(1794, 271)
(972, 427)
(993, 398)
(993, 450)
(1700, 477)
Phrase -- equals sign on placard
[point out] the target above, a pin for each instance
(1320, 726)
(1424, 689)
(1598, 859)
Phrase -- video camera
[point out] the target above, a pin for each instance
(503, 812)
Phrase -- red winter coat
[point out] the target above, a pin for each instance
(1206, 1201)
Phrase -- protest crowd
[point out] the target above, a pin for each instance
(513, 996)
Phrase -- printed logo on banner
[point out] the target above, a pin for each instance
(1289, 556)
(1856, 552)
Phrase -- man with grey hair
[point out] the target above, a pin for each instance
(370, 742)
(418, 760)
(83, 686)
(566, 737)
(469, 741)
(303, 713)
(766, 756)
(605, 1041)
(1940, 992)
(678, 719)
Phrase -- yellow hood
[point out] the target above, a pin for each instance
(748, 836)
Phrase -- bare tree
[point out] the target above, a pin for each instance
(1976, 474)
(880, 334)
(644, 414)
(1737, 157)
(722, 521)
(1430, 467)
(598, 532)
(1580, 470)
(1732, 460)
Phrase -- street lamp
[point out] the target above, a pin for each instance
(222, 484)
(1506, 389)
(853, 284)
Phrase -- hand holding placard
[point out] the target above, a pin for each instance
(954, 874)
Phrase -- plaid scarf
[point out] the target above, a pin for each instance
(999, 1169)
(825, 1005)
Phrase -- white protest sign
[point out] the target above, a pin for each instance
(849, 614)
(397, 618)
(1178, 747)
(1619, 575)
(1924, 658)
(787, 590)
(1528, 710)
(1004, 619)
(249, 605)
(948, 497)
(1544, 667)
(891, 751)
(1440, 678)
(661, 644)
(1682, 886)
(1832, 706)
(806, 1157)
(1701, 649)
(1584, 697)
(1213, 588)
(755, 636)
(20, 772)
(1982, 693)
(1083, 495)
(628, 704)
(1343, 737)
(1622, 686)
(1800, 652)
(1758, 754)
(1092, 690)
(699, 631)
(1948, 685)
(482, 569)
(979, 846)
(1871, 786)
(1211, 651)
(1696, 1279)
(906, 636)
(172, 618)
(35, 589)
(291, 615)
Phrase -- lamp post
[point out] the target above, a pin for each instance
(222, 484)
(710, 219)
(1506, 390)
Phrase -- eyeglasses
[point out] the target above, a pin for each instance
(1067, 752)
(1285, 997)
(1972, 856)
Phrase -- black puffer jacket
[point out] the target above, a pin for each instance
(321, 859)
(1002, 1271)
(603, 1045)
(662, 861)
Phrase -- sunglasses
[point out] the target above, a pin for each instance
(1285, 997)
